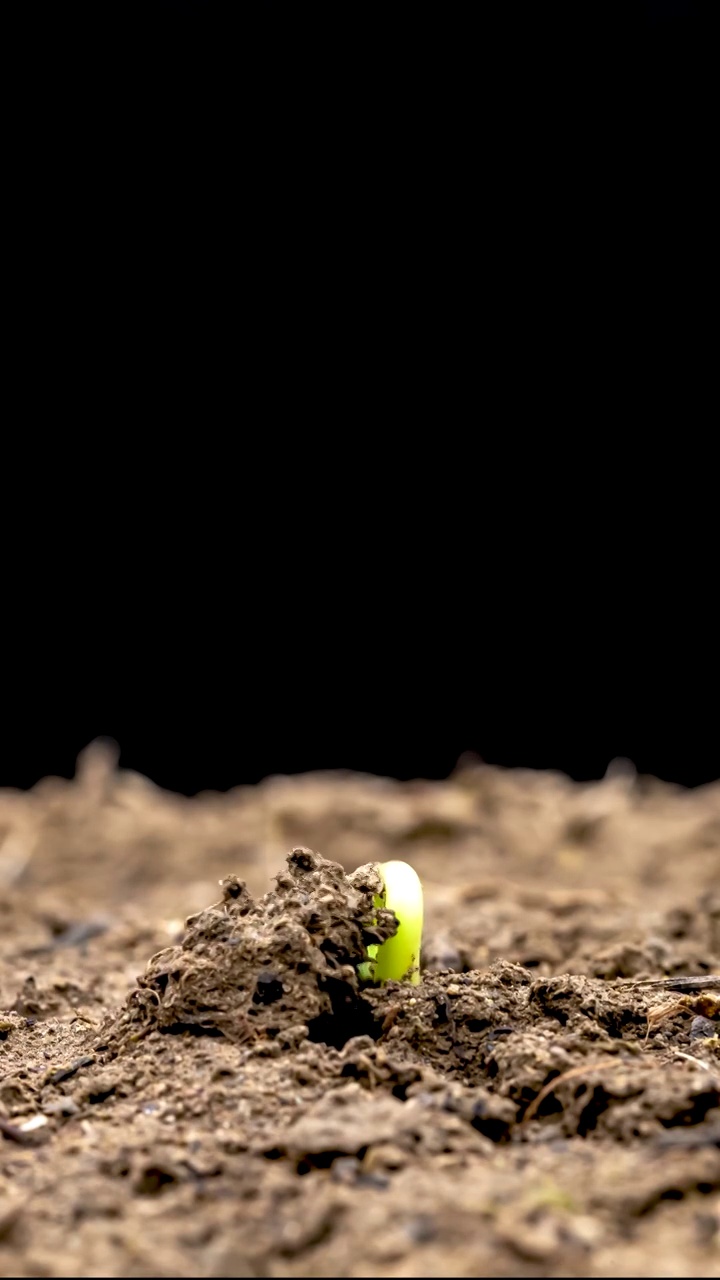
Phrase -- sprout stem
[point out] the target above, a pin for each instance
(398, 958)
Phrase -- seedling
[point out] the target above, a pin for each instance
(398, 958)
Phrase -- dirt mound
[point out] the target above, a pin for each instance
(285, 966)
(282, 970)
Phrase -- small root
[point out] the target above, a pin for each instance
(703, 1006)
(689, 1058)
(583, 1069)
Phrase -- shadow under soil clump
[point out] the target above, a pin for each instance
(284, 966)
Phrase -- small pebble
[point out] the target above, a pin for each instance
(421, 1228)
(61, 1107)
(35, 1122)
(378, 1181)
(345, 1170)
(703, 1029)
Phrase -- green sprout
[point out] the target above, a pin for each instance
(397, 959)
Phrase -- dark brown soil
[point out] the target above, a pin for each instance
(205, 1088)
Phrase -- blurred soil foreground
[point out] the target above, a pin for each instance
(193, 1081)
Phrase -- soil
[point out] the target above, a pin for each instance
(195, 1082)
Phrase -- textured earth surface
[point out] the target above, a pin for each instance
(194, 1082)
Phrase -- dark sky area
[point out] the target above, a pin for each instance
(209, 681)
(216, 733)
(248, 652)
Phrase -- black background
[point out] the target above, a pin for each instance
(380, 656)
(195, 731)
(306, 629)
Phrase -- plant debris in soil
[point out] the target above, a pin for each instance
(210, 1090)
